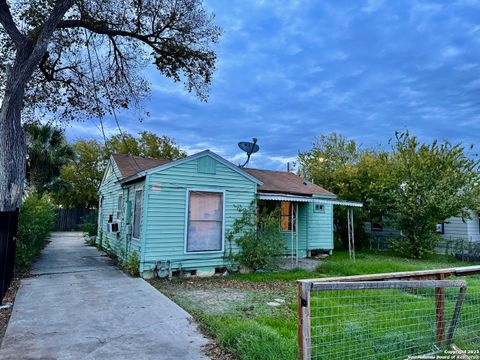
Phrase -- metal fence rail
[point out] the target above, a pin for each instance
(392, 316)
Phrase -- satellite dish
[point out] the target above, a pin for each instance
(250, 148)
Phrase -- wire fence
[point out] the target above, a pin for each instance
(462, 249)
(390, 319)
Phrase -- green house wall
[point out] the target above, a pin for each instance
(165, 211)
(315, 230)
(117, 243)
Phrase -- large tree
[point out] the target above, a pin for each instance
(47, 151)
(147, 144)
(425, 184)
(82, 57)
(78, 183)
(349, 171)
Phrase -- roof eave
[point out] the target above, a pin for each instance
(196, 156)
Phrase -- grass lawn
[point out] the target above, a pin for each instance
(236, 312)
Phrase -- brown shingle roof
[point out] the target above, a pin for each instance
(131, 165)
(285, 183)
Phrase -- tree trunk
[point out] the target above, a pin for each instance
(30, 51)
(12, 146)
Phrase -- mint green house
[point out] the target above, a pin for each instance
(174, 215)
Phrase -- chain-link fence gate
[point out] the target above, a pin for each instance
(391, 316)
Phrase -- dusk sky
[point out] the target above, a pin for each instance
(289, 71)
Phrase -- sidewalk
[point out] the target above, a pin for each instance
(78, 305)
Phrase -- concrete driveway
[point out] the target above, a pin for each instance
(78, 305)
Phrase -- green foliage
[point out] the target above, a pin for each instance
(340, 166)
(147, 144)
(250, 340)
(79, 180)
(411, 188)
(47, 152)
(78, 183)
(133, 264)
(425, 185)
(100, 240)
(89, 224)
(36, 220)
(258, 237)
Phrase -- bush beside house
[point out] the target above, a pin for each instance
(36, 220)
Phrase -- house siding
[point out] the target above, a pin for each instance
(165, 213)
(468, 229)
(320, 228)
(121, 244)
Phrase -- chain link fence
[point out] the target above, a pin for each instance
(404, 316)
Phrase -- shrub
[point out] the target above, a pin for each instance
(36, 220)
(259, 238)
(133, 264)
(415, 246)
(100, 240)
(89, 224)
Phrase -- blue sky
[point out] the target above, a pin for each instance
(289, 71)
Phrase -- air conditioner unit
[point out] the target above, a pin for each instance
(113, 227)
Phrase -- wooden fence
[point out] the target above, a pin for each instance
(340, 317)
(70, 219)
(8, 231)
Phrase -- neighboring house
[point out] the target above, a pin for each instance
(175, 214)
(453, 228)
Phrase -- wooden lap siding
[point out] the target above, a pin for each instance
(110, 189)
(164, 216)
(320, 228)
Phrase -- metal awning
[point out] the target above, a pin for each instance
(307, 199)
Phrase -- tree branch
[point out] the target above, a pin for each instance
(9, 25)
(102, 29)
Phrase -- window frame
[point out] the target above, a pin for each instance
(121, 209)
(187, 208)
(320, 211)
(141, 217)
(291, 218)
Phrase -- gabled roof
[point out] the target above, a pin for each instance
(199, 155)
(134, 167)
(284, 182)
(130, 165)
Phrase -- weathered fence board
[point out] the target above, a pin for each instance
(70, 219)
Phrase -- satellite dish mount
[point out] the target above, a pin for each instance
(250, 148)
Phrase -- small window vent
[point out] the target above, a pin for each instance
(206, 165)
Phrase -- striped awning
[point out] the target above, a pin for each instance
(307, 199)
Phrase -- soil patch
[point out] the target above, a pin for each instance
(5, 313)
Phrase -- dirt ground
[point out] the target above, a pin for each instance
(5, 313)
(219, 295)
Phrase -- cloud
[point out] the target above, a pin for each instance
(290, 71)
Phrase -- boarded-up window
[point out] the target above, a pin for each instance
(137, 214)
(205, 221)
(286, 209)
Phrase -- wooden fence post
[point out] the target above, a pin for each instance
(440, 313)
(304, 336)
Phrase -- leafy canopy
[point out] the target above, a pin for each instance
(147, 144)
(47, 152)
(426, 184)
(98, 49)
